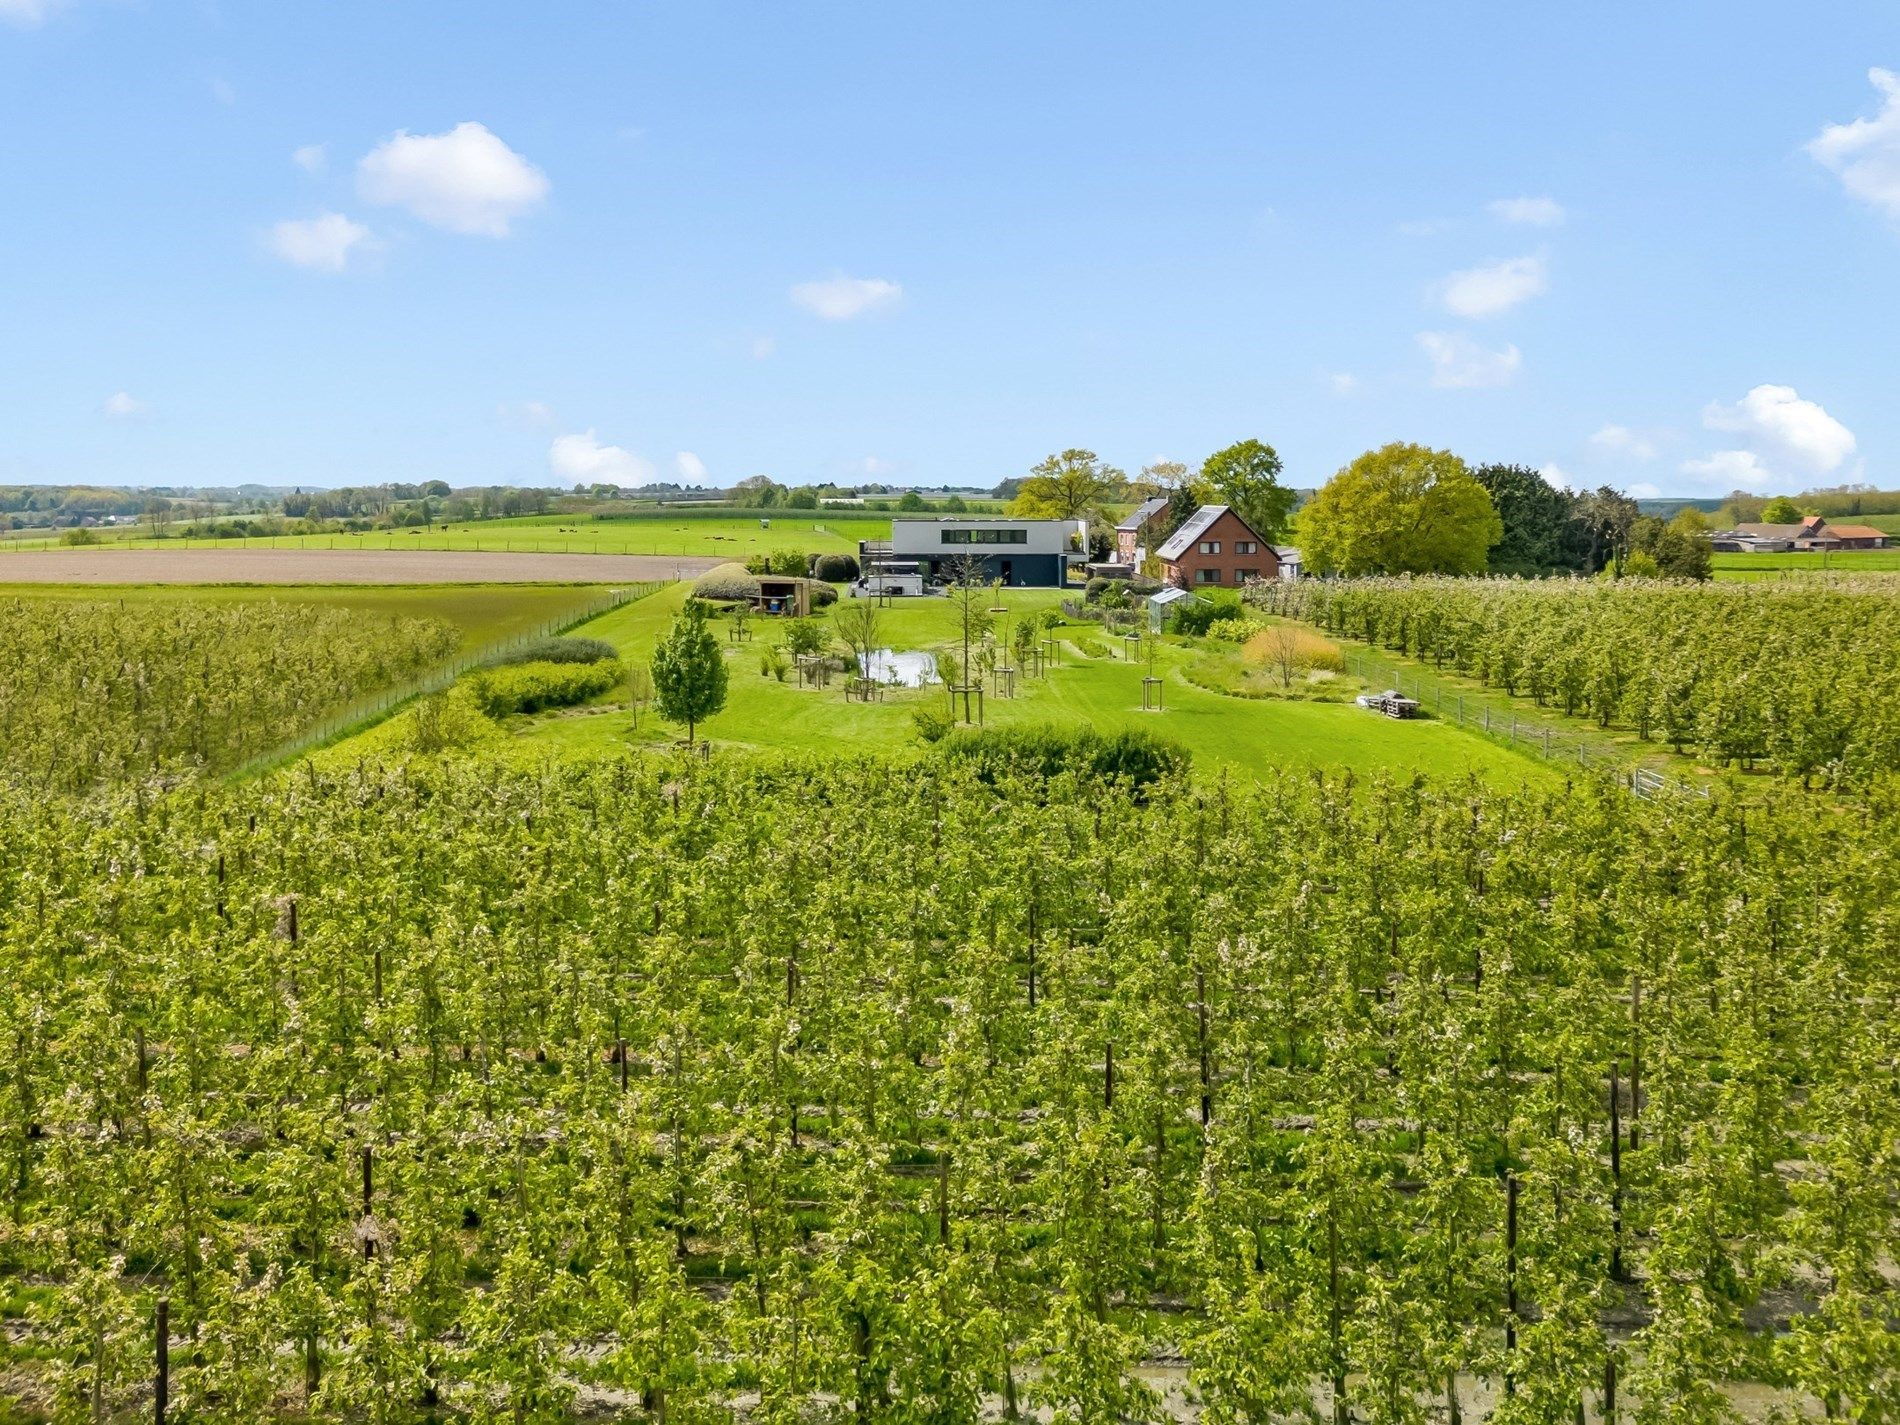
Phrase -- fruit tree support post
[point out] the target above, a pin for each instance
(161, 1380)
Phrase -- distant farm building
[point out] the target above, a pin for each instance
(1813, 533)
(1216, 547)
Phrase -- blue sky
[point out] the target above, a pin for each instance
(1657, 245)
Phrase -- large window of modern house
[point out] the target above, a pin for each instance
(1210, 546)
(986, 536)
(1246, 546)
(1241, 576)
(1207, 576)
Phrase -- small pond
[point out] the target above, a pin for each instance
(908, 670)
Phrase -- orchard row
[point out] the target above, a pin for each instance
(879, 1089)
(1804, 680)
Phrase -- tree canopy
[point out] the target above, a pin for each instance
(689, 672)
(1075, 484)
(1542, 534)
(1398, 510)
(1781, 510)
(1246, 478)
(1678, 549)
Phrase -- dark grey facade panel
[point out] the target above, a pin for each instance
(1018, 571)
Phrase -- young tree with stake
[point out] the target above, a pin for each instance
(689, 672)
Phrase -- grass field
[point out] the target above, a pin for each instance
(761, 713)
(1797, 563)
(667, 532)
(484, 613)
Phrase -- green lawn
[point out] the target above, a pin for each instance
(485, 613)
(663, 532)
(761, 713)
(1774, 566)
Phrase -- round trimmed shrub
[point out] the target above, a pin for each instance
(726, 583)
(834, 568)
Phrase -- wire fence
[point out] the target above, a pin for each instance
(1448, 703)
(372, 708)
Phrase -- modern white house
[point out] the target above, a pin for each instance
(1021, 553)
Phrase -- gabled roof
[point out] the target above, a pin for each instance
(1196, 526)
(1286, 553)
(1168, 595)
(1142, 513)
(1853, 531)
(1772, 531)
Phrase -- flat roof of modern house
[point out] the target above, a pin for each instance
(979, 519)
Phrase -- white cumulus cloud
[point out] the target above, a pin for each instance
(1487, 291)
(1778, 424)
(1865, 154)
(583, 459)
(1554, 475)
(1460, 362)
(690, 467)
(312, 157)
(29, 12)
(1727, 470)
(325, 243)
(1621, 440)
(1531, 212)
(839, 299)
(465, 180)
(123, 406)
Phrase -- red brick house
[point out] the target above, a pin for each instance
(1216, 548)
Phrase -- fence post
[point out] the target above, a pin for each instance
(161, 1380)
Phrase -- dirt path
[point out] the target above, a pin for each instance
(336, 566)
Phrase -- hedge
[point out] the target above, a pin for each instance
(557, 650)
(530, 687)
(1140, 758)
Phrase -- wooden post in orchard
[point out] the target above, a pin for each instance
(162, 1345)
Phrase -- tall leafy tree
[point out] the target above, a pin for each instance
(1609, 516)
(1158, 478)
(1070, 485)
(1542, 533)
(1246, 477)
(1677, 549)
(689, 672)
(1402, 509)
(1781, 510)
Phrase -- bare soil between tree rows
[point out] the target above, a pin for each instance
(337, 566)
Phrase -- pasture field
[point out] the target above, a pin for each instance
(716, 535)
(875, 1089)
(1102, 691)
(234, 562)
(479, 613)
(1835, 563)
